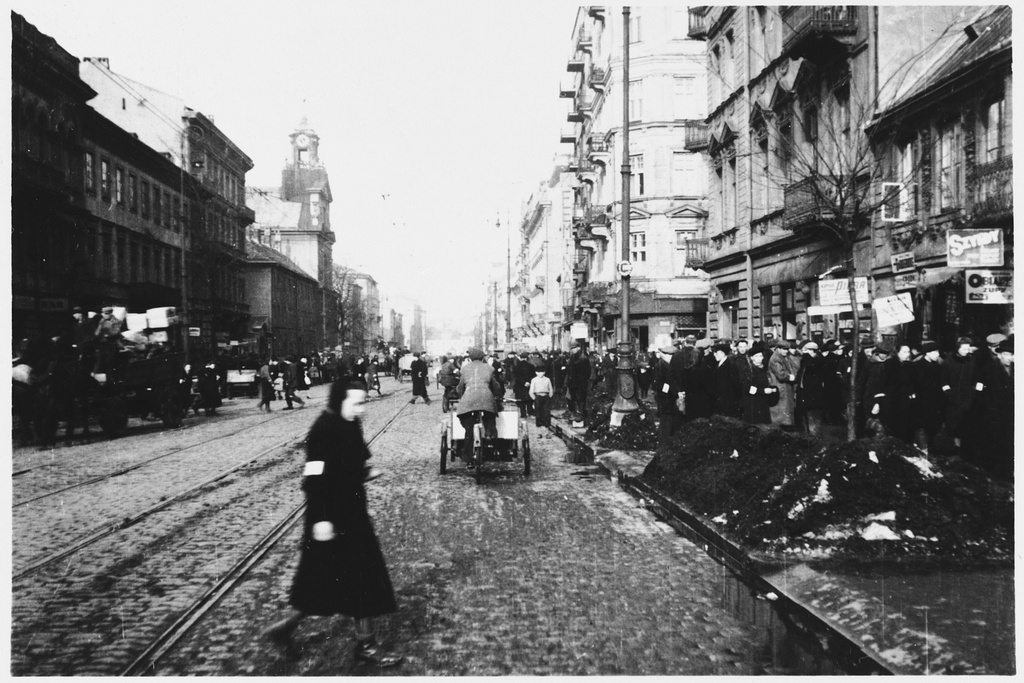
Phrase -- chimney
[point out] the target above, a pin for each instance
(102, 61)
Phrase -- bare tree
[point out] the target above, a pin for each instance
(836, 177)
(352, 314)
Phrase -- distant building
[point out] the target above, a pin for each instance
(216, 216)
(295, 220)
(285, 303)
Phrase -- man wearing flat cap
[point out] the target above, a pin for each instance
(994, 398)
(811, 390)
(928, 396)
(959, 372)
(666, 391)
(479, 392)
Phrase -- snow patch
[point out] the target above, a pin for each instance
(877, 532)
(923, 465)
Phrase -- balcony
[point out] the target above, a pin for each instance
(599, 151)
(697, 136)
(575, 66)
(567, 91)
(584, 41)
(575, 116)
(993, 189)
(802, 207)
(810, 30)
(567, 137)
(698, 26)
(596, 12)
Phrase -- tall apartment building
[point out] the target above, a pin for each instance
(666, 74)
(544, 264)
(50, 241)
(794, 181)
(216, 219)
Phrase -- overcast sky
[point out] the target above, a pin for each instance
(435, 118)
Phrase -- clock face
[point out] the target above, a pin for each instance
(302, 140)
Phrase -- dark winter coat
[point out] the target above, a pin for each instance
(418, 369)
(697, 384)
(448, 375)
(874, 380)
(929, 401)
(579, 371)
(811, 381)
(780, 367)
(346, 575)
(522, 375)
(666, 391)
(959, 374)
(478, 388)
(995, 419)
(755, 407)
(725, 389)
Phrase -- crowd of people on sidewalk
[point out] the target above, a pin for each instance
(908, 391)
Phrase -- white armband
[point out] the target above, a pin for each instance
(313, 468)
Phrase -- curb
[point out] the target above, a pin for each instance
(815, 630)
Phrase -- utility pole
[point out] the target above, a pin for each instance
(625, 396)
(184, 245)
(494, 328)
(508, 289)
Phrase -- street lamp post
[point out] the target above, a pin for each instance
(625, 396)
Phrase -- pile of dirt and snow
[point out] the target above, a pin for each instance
(782, 493)
(638, 431)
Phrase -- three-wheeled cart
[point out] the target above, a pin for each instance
(511, 444)
(405, 367)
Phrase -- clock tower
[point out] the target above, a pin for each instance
(304, 181)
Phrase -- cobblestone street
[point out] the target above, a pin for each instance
(556, 573)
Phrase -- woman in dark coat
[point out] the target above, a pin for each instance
(725, 385)
(341, 570)
(418, 368)
(929, 402)
(757, 394)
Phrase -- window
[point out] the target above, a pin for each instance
(948, 167)
(634, 26)
(157, 214)
(636, 175)
(636, 100)
(105, 179)
(122, 258)
(811, 124)
(145, 199)
(992, 136)
(731, 196)
(133, 193)
(784, 151)
(167, 209)
(758, 41)
(760, 170)
(685, 101)
(119, 186)
(90, 173)
(716, 75)
(638, 247)
(686, 180)
(729, 63)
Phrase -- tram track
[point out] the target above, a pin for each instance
(125, 470)
(156, 554)
(164, 643)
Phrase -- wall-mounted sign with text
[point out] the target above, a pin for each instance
(905, 281)
(903, 262)
(837, 292)
(972, 248)
(988, 287)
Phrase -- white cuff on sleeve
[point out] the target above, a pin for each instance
(313, 468)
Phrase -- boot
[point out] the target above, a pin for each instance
(368, 653)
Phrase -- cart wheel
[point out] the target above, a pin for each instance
(171, 412)
(478, 450)
(113, 416)
(526, 457)
(444, 452)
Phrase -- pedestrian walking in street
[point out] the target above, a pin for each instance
(522, 376)
(419, 378)
(341, 569)
(266, 386)
(290, 372)
(541, 390)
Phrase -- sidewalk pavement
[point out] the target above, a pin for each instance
(946, 619)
